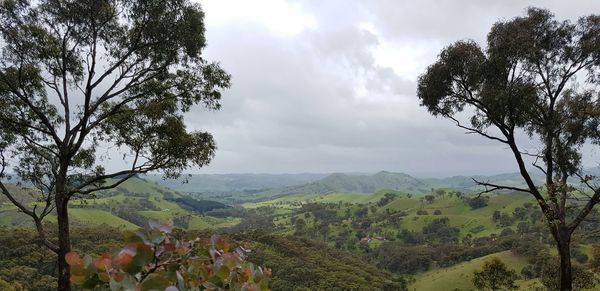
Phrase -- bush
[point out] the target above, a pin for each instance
(582, 278)
(422, 212)
(495, 276)
(478, 202)
(157, 259)
(437, 212)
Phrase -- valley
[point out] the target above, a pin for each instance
(409, 233)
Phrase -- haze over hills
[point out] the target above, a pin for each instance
(268, 185)
(221, 183)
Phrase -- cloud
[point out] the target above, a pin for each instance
(337, 92)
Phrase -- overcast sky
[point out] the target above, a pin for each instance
(329, 86)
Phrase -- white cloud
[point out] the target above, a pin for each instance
(323, 86)
(279, 16)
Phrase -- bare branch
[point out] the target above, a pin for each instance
(36, 219)
(473, 130)
(490, 187)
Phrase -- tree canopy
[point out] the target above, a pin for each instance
(77, 77)
(537, 80)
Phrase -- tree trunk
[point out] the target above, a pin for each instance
(564, 251)
(64, 244)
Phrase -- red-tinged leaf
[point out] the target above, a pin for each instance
(169, 247)
(73, 259)
(125, 256)
(118, 276)
(102, 263)
(268, 271)
(219, 243)
(258, 275)
(123, 260)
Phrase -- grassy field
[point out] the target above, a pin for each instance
(460, 276)
(458, 212)
(96, 211)
(96, 217)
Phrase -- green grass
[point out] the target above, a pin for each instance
(95, 217)
(458, 212)
(95, 210)
(460, 276)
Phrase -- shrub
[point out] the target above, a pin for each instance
(158, 259)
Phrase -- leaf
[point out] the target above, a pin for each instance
(73, 259)
(132, 237)
(88, 261)
(155, 282)
(155, 224)
(144, 254)
(223, 273)
(157, 237)
(220, 243)
(77, 279)
(103, 262)
(104, 277)
(91, 282)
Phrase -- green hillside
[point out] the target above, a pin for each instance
(476, 222)
(226, 183)
(129, 205)
(460, 276)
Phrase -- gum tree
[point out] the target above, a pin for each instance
(79, 75)
(536, 80)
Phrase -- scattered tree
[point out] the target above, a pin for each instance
(495, 276)
(477, 202)
(538, 76)
(429, 199)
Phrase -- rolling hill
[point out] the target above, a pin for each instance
(361, 183)
(224, 183)
(129, 205)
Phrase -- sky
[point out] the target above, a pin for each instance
(330, 86)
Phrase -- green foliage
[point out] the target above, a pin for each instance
(77, 74)
(440, 231)
(495, 276)
(303, 264)
(478, 202)
(10, 286)
(537, 75)
(33, 266)
(157, 258)
(582, 278)
(595, 260)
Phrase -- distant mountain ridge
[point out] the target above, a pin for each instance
(269, 185)
(223, 183)
(340, 182)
